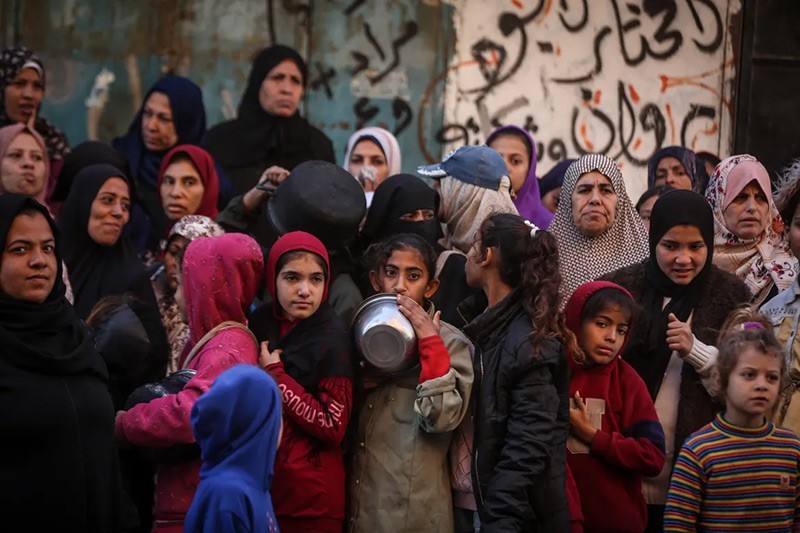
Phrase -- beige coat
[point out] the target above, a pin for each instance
(400, 480)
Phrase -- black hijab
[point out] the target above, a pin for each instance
(257, 135)
(45, 337)
(394, 197)
(648, 352)
(96, 271)
(86, 154)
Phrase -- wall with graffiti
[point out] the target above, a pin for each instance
(622, 78)
(617, 77)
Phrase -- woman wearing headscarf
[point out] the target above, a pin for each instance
(172, 113)
(306, 348)
(24, 168)
(22, 86)
(220, 339)
(679, 168)
(473, 185)
(519, 151)
(165, 280)
(100, 259)
(685, 300)
(596, 226)
(748, 230)
(269, 131)
(139, 229)
(83, 155)
(188, 184)
(402, 204)
(372, 155)
(550, 184)
(57, 459)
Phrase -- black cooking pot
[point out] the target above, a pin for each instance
(320, 198)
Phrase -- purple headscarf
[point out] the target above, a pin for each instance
(528, 201)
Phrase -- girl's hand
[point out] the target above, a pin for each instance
(579, 418)
(424, 325)
(679, 336)
(268, 358)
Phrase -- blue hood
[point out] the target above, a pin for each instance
(236, 423)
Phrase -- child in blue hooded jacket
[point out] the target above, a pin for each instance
(237, 424)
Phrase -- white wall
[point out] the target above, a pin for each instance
(657, 79)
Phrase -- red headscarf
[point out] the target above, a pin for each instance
(204, 164)
(576, 303)
(221, 276)
(291, 242)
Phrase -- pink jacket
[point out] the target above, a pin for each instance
(233, 262)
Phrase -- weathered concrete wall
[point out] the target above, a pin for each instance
(622, 78)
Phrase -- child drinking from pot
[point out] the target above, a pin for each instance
(740, 472)
(400, 479)
(306, 347)
(616, 436)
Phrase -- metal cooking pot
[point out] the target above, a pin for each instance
(384, 338)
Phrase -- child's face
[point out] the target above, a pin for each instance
(405, 273)
(753, 388)
(300, 286)
(602, 336)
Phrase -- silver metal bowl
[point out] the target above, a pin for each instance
(384, 338)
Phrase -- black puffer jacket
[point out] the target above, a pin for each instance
(521, 423)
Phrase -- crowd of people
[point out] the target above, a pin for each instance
(177, 349)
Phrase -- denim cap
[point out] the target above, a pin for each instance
(475, 165)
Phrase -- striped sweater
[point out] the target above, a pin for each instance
(729, 478)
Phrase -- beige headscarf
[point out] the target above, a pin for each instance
(466, 206)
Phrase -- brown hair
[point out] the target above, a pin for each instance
(529, 263)
(745, 328)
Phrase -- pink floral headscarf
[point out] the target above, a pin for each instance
(761, 261)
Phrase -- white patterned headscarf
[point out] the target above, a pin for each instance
(192, 227)
(761, 261)
(584, 258)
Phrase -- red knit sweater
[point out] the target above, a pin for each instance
(628, 445)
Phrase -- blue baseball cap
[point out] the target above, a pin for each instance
(475, 165)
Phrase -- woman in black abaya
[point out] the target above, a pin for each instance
(100, 259)
(57, 454)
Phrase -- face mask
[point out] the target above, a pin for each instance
(427, 229)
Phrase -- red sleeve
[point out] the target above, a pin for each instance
(640, 446)
(165, 421)
(433, 357)
(325, 415)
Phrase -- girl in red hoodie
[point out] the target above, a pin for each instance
(616, 437)
(306, 347)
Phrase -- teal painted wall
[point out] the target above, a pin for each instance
(213, 41)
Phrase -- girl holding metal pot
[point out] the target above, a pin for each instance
(406, 422)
